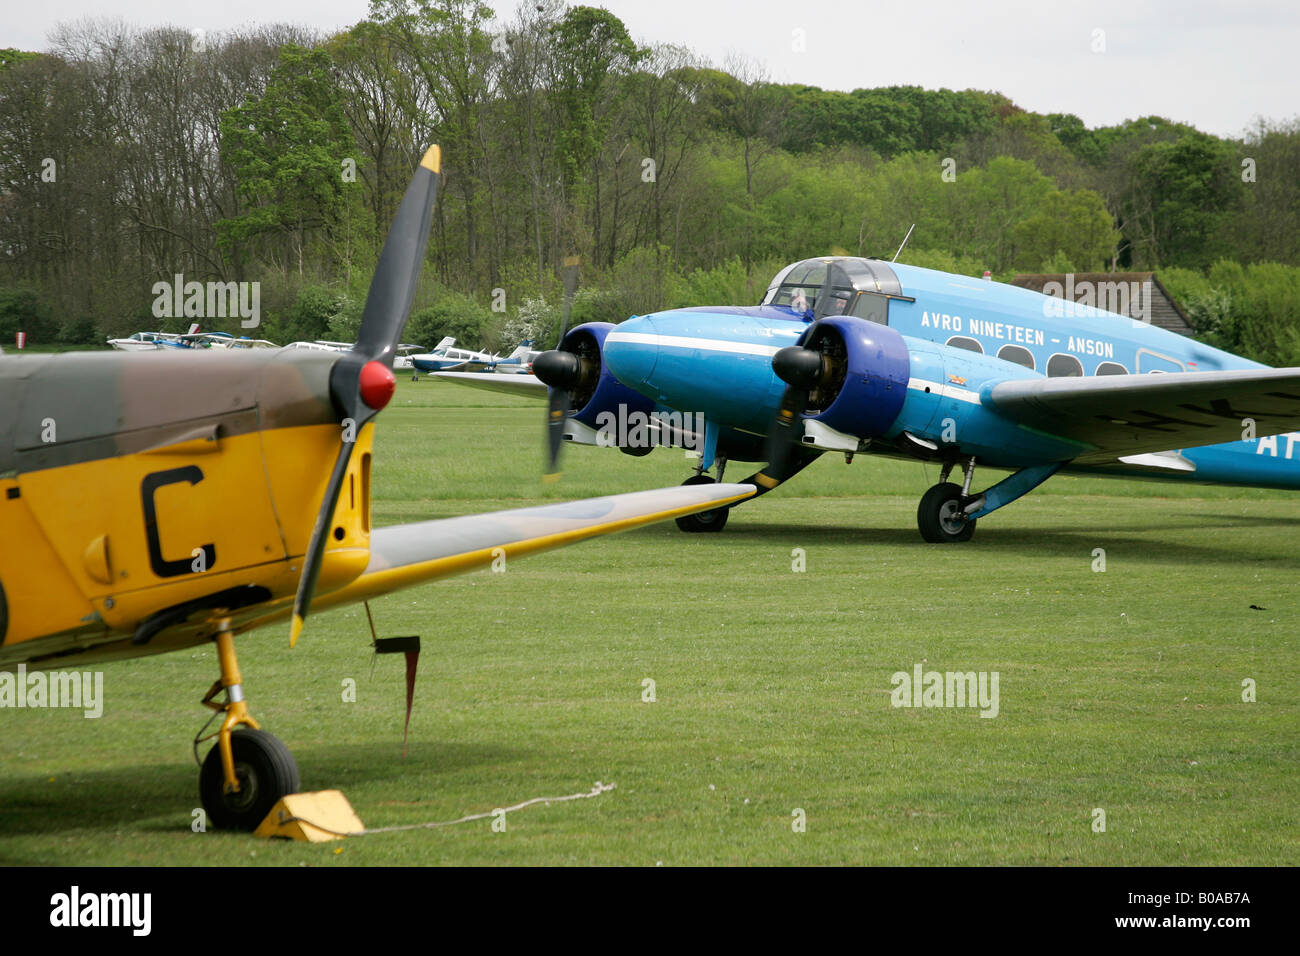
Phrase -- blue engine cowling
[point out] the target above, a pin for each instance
(866, 369)
(604, 393)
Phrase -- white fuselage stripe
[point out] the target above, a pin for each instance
(688, 342)
(947, 391)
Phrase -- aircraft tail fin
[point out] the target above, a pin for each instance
(446, 343)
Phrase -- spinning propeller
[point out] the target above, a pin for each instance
(562, 372)
(804, 367)
(361, 381)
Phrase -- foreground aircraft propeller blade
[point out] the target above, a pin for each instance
(557, 411)
(561, 371)
(361, 382)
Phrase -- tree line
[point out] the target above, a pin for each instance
(279, 154)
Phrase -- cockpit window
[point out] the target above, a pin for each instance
(859, 287)
(873, 308)
(801, 286)
(805, 288)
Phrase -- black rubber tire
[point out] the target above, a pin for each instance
(638, 451)
(935, 525)
(704, 521)
(266, 771)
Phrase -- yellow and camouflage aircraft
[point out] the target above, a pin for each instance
(150, 503)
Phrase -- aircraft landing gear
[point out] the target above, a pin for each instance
(247, 771)
(941, 515)
(703, 521)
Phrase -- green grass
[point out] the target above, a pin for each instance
(1119, 690)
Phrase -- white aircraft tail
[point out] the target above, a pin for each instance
(522, 349)
(446, 343)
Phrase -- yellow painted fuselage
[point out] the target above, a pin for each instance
(93, 549)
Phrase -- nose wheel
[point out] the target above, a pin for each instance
(265, 771)
(248, 770)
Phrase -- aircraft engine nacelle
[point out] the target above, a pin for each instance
(597, 389)
(855, 372)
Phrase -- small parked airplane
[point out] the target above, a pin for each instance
(151, 341)
(158, 341)
(142, 341)
(518, 362)
(445, 357)
(518, 365)
(154, 504)
(224, 340)
(862, 356)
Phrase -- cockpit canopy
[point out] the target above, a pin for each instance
(851, 285)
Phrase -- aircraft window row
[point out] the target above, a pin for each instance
(1017, 354)
(1058, 366)
(1064, 366)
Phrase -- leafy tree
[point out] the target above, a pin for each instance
(22, 310)
(446, 44)
(1073, 227)
(591, 48)
(455, 314)
(287, 148)
(1187, 187)
(535, 321)
(311, 315)
(1249, 310)
(1266, 173)
(1071, 132)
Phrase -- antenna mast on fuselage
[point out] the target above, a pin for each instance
(905, 238)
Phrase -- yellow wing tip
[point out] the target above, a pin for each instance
(432, 159)
(294, 630)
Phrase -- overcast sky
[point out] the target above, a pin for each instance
(1216, 65)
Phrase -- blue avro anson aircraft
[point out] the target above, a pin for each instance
(852, 355)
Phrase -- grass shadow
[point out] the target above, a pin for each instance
(1139, 542)
(140, 796)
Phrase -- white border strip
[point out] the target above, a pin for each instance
(688, 342)
(947, 391)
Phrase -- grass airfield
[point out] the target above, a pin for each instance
(1119, 690)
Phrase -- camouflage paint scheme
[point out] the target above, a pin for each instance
(232, 451)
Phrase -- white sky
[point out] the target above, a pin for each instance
(1216, 65)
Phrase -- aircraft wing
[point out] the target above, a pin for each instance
(520, 384)
(1114, 415)
(405, 555)
(402, 556)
